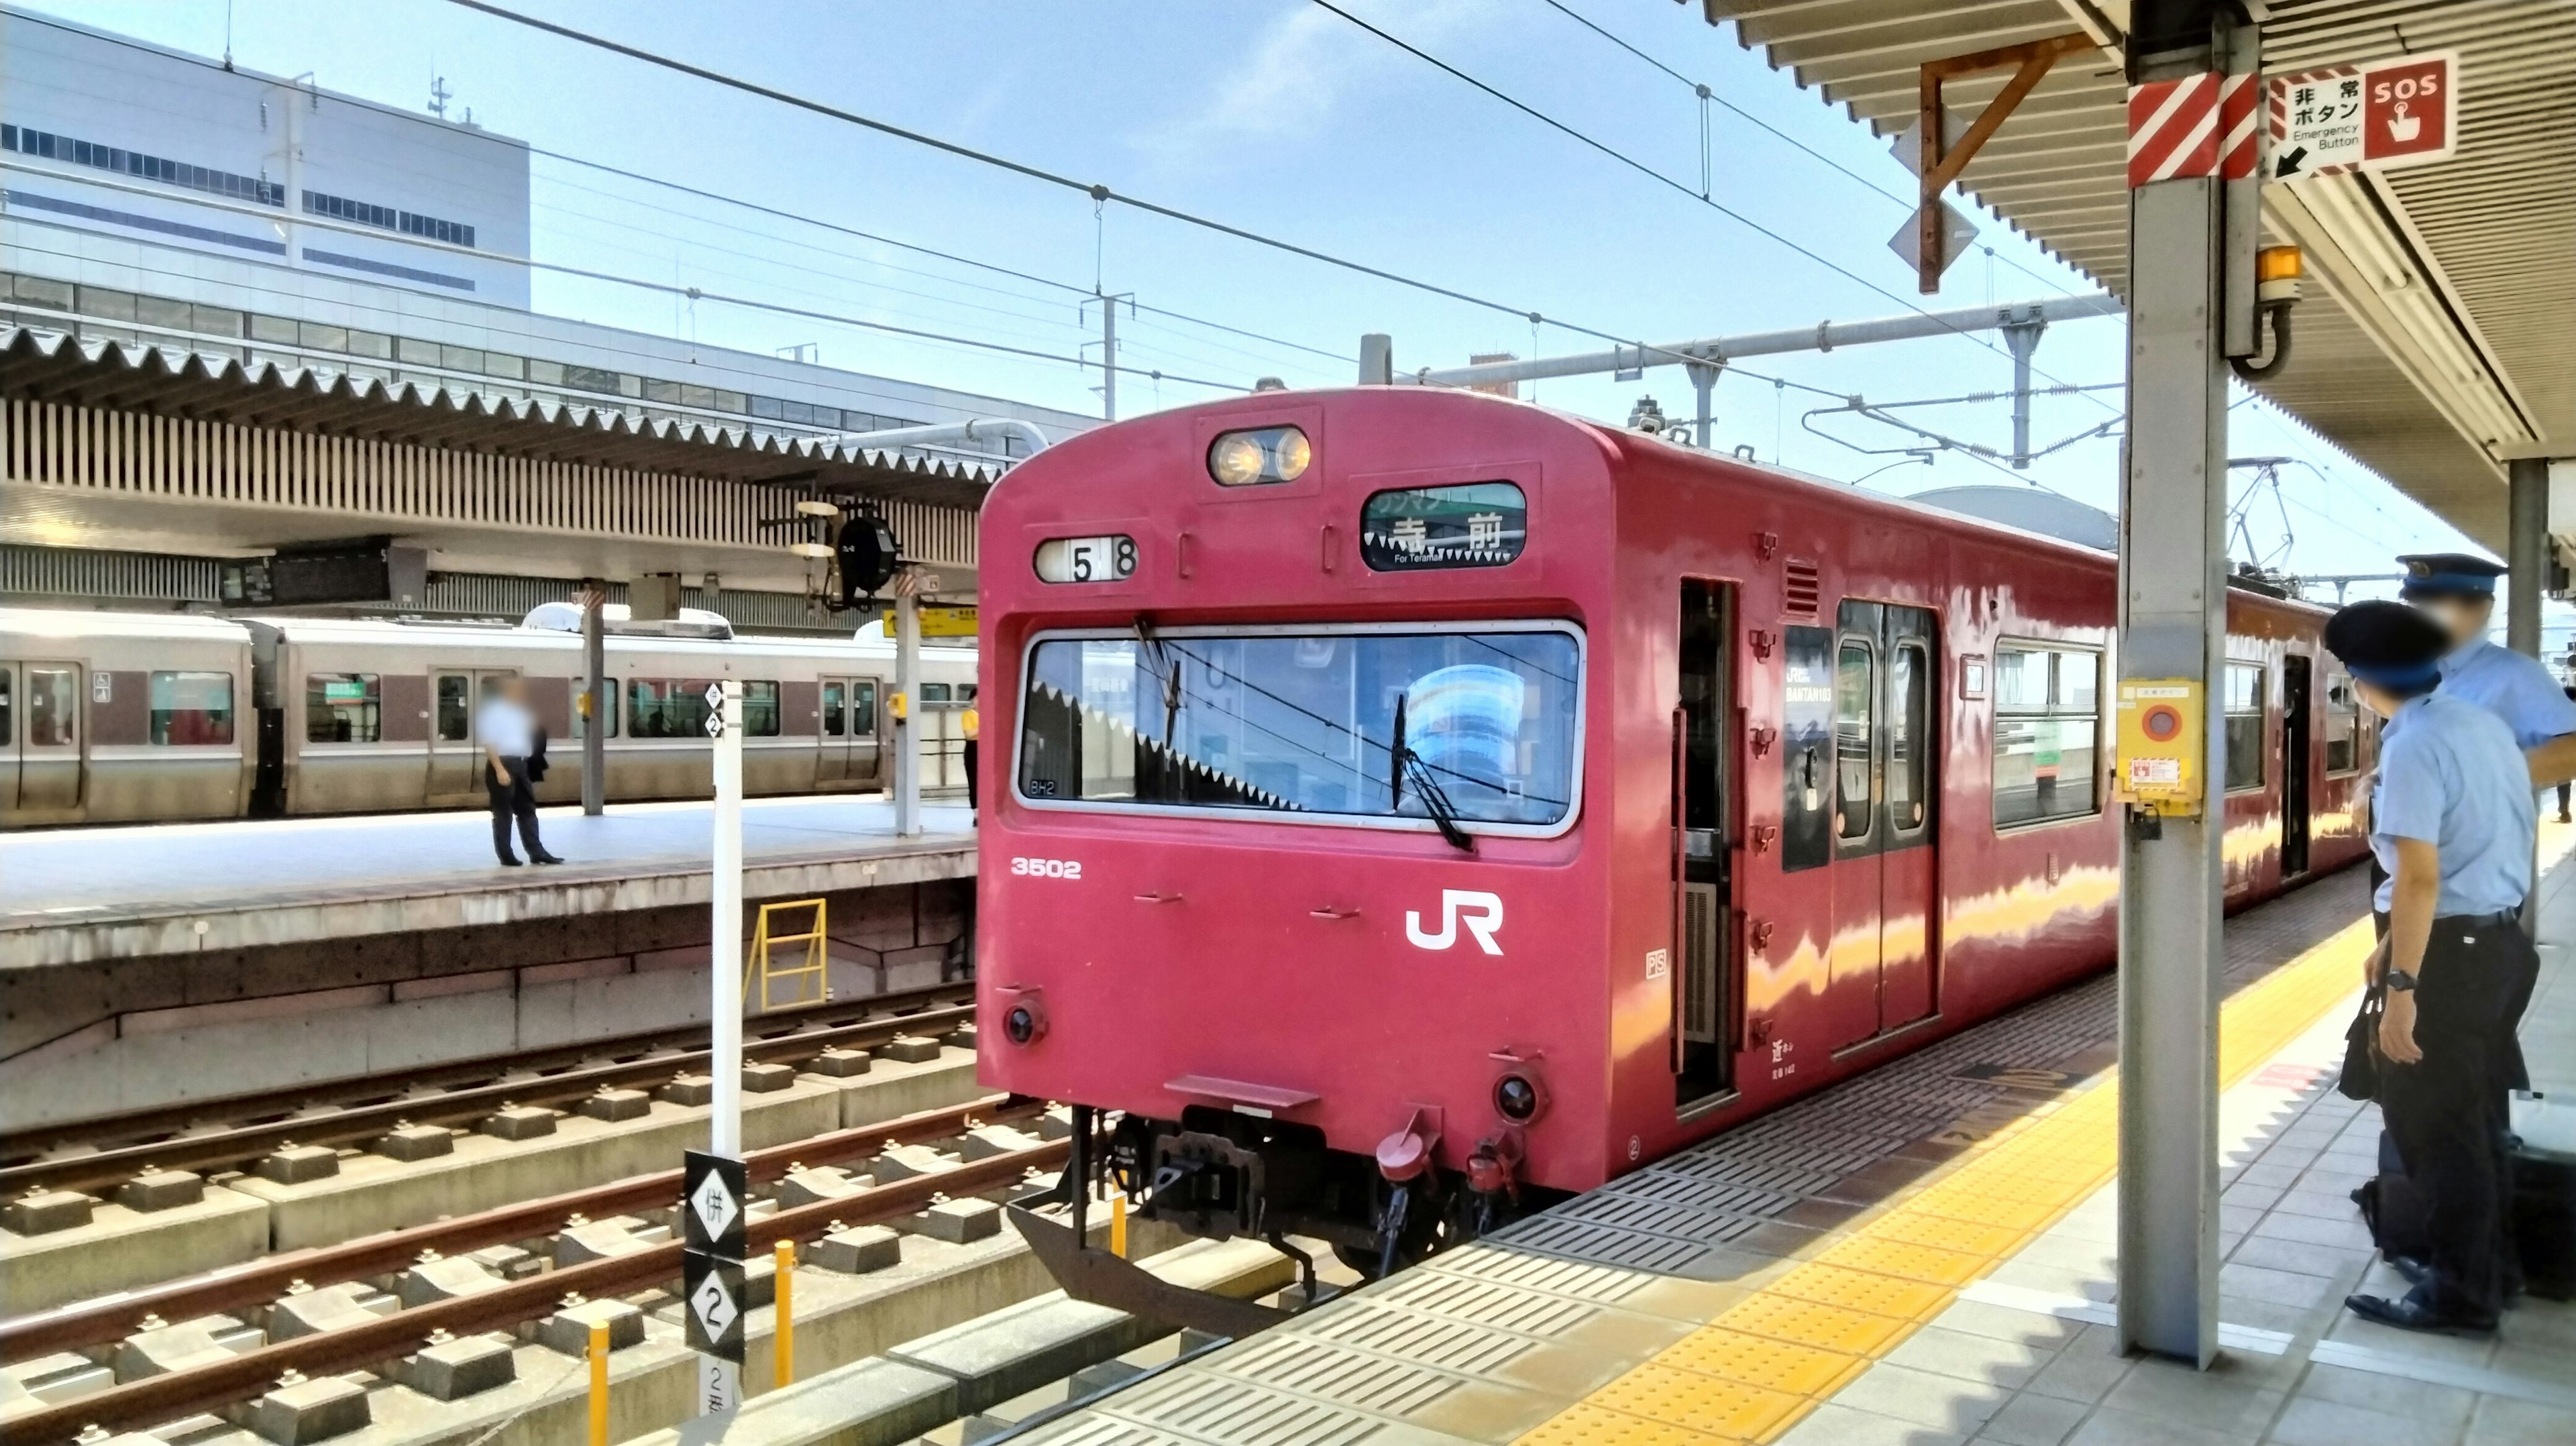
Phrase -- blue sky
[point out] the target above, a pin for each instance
(1274, 115)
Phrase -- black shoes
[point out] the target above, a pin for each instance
(2414, 1314)
(509, 861)
(542, 858)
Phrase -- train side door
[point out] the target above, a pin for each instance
(42, 753)
(849, 731)
(1909, 877)
(2294, 766)
(1708, 977)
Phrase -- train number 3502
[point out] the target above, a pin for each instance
(1048, 868)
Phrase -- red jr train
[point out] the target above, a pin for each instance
(1412, 804)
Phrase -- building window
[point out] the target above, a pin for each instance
(2047, 733)
(342, 708)
(386, 218)
(52, 147)
(2244, 726)
(192, 708)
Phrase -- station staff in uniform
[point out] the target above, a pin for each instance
(2458, 590)
(509, 735)
(2454, 829)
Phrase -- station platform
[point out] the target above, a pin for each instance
(70, 896)
(1925, 1256)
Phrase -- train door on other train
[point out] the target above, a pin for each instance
(455, 754)
(1885, 882)
(848, 731)
(2294, 766)
(1709, 979)
(40, 737)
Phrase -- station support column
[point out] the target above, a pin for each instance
(2173, 620)
(907, 724)
(2526, 552)
(602, 708)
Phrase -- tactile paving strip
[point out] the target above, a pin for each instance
(1621, 1311)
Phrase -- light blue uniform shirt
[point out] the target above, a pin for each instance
(2516, 688)
(2453, 778)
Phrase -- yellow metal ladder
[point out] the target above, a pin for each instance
(808, 977)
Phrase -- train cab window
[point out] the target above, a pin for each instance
(2245, 761)
(2047, 734)
(342, 708)
(191, 708)
(759, 709)
(1475, 725)
(2343, 723)
(455, 708)
(1909, 737)
(1855, 685)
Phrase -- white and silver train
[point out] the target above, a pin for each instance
(128, 717)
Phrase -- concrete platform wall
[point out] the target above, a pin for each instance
(94, 1039)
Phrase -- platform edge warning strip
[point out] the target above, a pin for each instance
(1861, 1296)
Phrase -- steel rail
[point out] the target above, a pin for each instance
(225, 1147)
(23, 1145)
(175, 1394)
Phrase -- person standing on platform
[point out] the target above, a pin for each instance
(2453, 826)
(509, 735)
(970, 724)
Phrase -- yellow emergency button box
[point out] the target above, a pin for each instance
(2161, 767)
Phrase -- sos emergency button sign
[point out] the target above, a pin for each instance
(2366, 117)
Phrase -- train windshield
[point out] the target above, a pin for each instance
(1479, 722)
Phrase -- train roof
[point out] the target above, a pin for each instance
(68, 623)
(80, 622)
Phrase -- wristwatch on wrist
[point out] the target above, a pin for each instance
(2401, 981)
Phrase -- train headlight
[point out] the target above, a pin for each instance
(1269, 454)
(1021, 1024)
(1519, 1098)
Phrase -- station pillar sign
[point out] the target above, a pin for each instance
(715, 1216)
(2367, 117)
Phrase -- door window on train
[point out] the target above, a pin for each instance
(1909, 737)
(1855, 794)
(2245, 700)
(2343, 724)
(343, 708)
(455, 707)
(190, 708)
(1807, 770)
(53, 706)
(2048, 731)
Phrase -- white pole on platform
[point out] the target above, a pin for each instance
(725, 952)
(907, 728)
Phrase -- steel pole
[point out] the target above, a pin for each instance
(724, 1018)
(1703, 378)
(2173, 622)
(2021, 338)
(594, 667)
(907, 729)
(2526, 551)
(1109, 358)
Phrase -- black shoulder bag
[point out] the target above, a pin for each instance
(2361, 1047)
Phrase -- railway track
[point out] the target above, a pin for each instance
(100, 1154)
(184, 1392)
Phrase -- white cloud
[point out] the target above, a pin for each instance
(1294, 79)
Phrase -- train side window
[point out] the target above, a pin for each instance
(192, 708)
(607, 710)
(1855, 688)
(2047, 733)
(834, 704)
(863, 710)
(342, 708)
(1909, 740)
(1806, 726)
(759, 710)
(2245, 700)
(934, 693)
(2343, 724)
(455, 708)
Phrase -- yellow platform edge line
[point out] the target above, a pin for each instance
(2053, 1162)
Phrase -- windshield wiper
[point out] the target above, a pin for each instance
(1402, 762)
(1170, 678)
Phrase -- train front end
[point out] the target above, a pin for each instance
(1285, 808)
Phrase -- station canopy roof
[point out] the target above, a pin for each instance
(2437, 337)
(47, 365)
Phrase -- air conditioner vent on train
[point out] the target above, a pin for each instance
(1800, 587)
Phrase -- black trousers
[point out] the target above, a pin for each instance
(2446, 1111)
(516, 798)
(971, 786)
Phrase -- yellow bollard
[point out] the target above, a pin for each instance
(785, 1356)
(599, 1383)
(1118, 1223)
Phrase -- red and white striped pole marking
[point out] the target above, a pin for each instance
(2192, 126)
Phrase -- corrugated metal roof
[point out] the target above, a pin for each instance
(44, 364)
(2437, 335)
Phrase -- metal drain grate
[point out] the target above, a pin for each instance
(1225, 1411)
(1433, 1340)
(1351, 1378)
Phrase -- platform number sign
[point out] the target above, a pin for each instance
(715, 1213)
(2396, 112)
